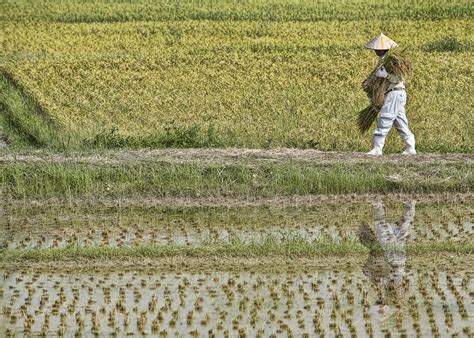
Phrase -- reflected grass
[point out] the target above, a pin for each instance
(290, 247)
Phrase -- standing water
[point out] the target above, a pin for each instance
(390, 288)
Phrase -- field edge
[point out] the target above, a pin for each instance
(25, 122)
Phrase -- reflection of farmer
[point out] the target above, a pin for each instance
(385, 266)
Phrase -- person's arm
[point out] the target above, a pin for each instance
(382, 72)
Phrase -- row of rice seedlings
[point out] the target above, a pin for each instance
(232, 303)
(251, 220)
(331, 211)
(189, 234)
(122, 236)
(137, 222)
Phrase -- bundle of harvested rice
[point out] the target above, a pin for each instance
(398, 62)
(395, 61)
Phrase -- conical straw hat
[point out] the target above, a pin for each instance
(381, 42)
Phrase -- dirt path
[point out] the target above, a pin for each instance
(226, 155)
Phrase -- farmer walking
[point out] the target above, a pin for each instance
(392, 112)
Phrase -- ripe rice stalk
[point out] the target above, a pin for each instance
(97, 95)
(398, 62)
(366, 118)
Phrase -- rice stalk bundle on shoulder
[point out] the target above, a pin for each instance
(396, 62)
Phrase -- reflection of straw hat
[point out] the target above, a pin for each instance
(381, 42)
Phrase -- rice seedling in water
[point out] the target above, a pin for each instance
(449, 222)
(278, 301)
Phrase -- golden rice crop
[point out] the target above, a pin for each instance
(272, 10)
(246, 84)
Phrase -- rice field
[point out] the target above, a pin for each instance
(230, 303)
(389, 290)
(62, 226)
(253, 74)
(248, 10)
(104, 233)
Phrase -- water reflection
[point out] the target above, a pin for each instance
(385, 266)
(61, 226)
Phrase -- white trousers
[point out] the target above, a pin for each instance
(393, 114)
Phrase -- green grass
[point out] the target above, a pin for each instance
(292, 248)
(194, 179)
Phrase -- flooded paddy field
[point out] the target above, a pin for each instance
(61, 225)
(382, 290)
(361, 301)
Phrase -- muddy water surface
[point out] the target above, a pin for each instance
(58, 226)
(362, 302)
(384, 294)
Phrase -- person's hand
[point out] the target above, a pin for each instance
(381, 72)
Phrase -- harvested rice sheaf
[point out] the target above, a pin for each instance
(395, 61)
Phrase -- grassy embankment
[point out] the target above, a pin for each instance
(196, 74)
(242, 179)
